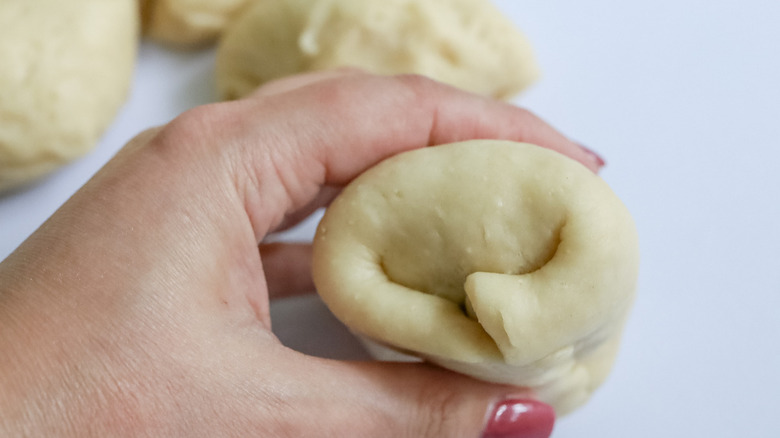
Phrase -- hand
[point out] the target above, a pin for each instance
(142, 306)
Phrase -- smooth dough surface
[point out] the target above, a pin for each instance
(465, 43)
(66, 68)
(501, 260)
(188, 23)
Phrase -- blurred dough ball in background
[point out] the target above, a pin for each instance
(466, 43)
(188, 23)
(67, 67)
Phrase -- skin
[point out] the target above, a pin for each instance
(141, 307)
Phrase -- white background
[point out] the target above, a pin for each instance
(681, 98)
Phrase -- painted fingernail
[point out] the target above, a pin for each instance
(596, 157)
(520, 418)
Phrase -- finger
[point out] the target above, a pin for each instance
(287, 268)
(334, 129)
(367, 118)
(418, 400)
(436, 403)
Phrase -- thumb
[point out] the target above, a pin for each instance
(423, 401)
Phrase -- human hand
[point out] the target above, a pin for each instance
(142, 306)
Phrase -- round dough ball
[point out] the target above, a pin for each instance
(466, 43)
(188, 23)
(504, 261)
(67, 67)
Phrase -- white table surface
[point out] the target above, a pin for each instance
(681, 98)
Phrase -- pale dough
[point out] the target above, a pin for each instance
(501, 260)
(465, 43)
(188, 23)
(66, 69)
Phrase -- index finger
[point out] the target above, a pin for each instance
(327, 132)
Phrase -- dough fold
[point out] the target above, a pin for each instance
(504, 261)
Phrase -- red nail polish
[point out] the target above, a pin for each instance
(596, 157)
(520, 418)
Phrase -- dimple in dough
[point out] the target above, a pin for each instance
(66, 69)
(188, 23)
(504, 261)
(465, 43)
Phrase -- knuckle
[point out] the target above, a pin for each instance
(339, 93)
(421, 87)
(417, 81)
(194, 131)
(197, 120)
(438, 416)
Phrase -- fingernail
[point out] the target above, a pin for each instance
(596, 157)
(520, 418)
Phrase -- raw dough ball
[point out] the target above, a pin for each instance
(188, 23)
(466, 43)
(501, 260)
(66, 69)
